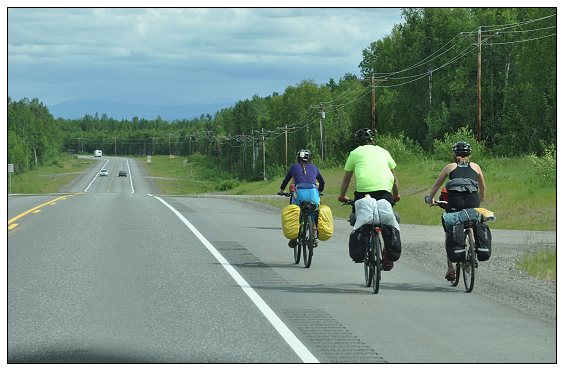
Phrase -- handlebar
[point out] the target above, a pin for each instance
(439, 203)
(290, 194)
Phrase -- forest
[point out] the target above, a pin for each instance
(490, 72)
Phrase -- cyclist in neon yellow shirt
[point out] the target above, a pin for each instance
(373, 168)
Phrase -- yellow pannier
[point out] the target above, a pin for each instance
(291, 221)
(324, 223)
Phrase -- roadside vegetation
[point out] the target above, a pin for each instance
(50, 177)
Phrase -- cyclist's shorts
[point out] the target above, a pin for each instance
(308, 194)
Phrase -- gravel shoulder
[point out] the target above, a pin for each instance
(497, 278)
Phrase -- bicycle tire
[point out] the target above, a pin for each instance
(308, 240)
(377, 259)
(457, 276)
(469, 267)
(369, 262)
(297, 252)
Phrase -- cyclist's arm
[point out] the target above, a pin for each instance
(345, 185)
(321, 181)
(481, 182)
(395, 188)
(442, 176)
(285, 181)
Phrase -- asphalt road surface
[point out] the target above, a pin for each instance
(111, 272)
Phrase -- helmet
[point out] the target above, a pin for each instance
(304, 155)
(461, 148)
(363, 135)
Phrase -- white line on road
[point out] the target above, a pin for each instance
(280, 326)
(130, 177)
(95, 176)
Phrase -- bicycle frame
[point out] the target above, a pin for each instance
(307, 239)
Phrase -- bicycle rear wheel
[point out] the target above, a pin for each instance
(457, 277)
(297, 252)
(308, 240)
(469, 265)
(369, 261)
(377, 259)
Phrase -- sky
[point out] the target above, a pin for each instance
(183, 56)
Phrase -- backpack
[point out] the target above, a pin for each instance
(392, 241)
(455, 243)
(483, 239)
(358, 243)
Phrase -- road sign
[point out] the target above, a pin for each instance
(10, 168)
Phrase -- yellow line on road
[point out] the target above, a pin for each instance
(12, 226)
(51, 202)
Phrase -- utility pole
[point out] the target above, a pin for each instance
(321, 117)
(286, 143)
(115, 146)
(263, 157)
(373, 82)
(479, 79)
(78, 140)
(479, 118)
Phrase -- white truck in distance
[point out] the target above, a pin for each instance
(97, 153)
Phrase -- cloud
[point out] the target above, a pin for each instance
(183, 54)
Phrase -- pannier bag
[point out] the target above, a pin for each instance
(455, 242)
(461, 217)
(324, 223)
(291, 221)
(392, 242)
(371, 211)
(358, 243)
(483, 238)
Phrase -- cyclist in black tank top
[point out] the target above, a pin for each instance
(460, 168)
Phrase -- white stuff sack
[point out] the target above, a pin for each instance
(371, 211)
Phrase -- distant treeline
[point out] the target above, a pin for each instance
(420, 84)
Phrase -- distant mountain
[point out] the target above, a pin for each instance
(75, 109)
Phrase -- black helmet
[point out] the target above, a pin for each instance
(304, 155)
(363, 135)
(461, 148)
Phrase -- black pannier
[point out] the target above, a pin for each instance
(483, 238)
(392, 242)
(358, 243)
(455, 242)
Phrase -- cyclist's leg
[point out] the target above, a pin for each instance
(451, 272)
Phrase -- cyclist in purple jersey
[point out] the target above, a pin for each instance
(307, 180)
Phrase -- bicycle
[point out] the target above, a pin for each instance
(307, 238)
(470, 262)
(373, 256)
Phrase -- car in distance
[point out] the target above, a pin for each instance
(103, 172)
(122, 173)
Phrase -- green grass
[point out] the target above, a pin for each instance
(541, 265)
(514, 192)
(177, 176)
(51, 177)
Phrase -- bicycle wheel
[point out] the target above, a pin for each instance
(298, 251)
(377, 259)
(457, 277)
(469, 265)
(369, 261)
(298, 247)
(308, 240)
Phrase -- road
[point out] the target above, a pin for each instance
(113, 273)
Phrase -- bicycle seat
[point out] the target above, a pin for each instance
(308, 206)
